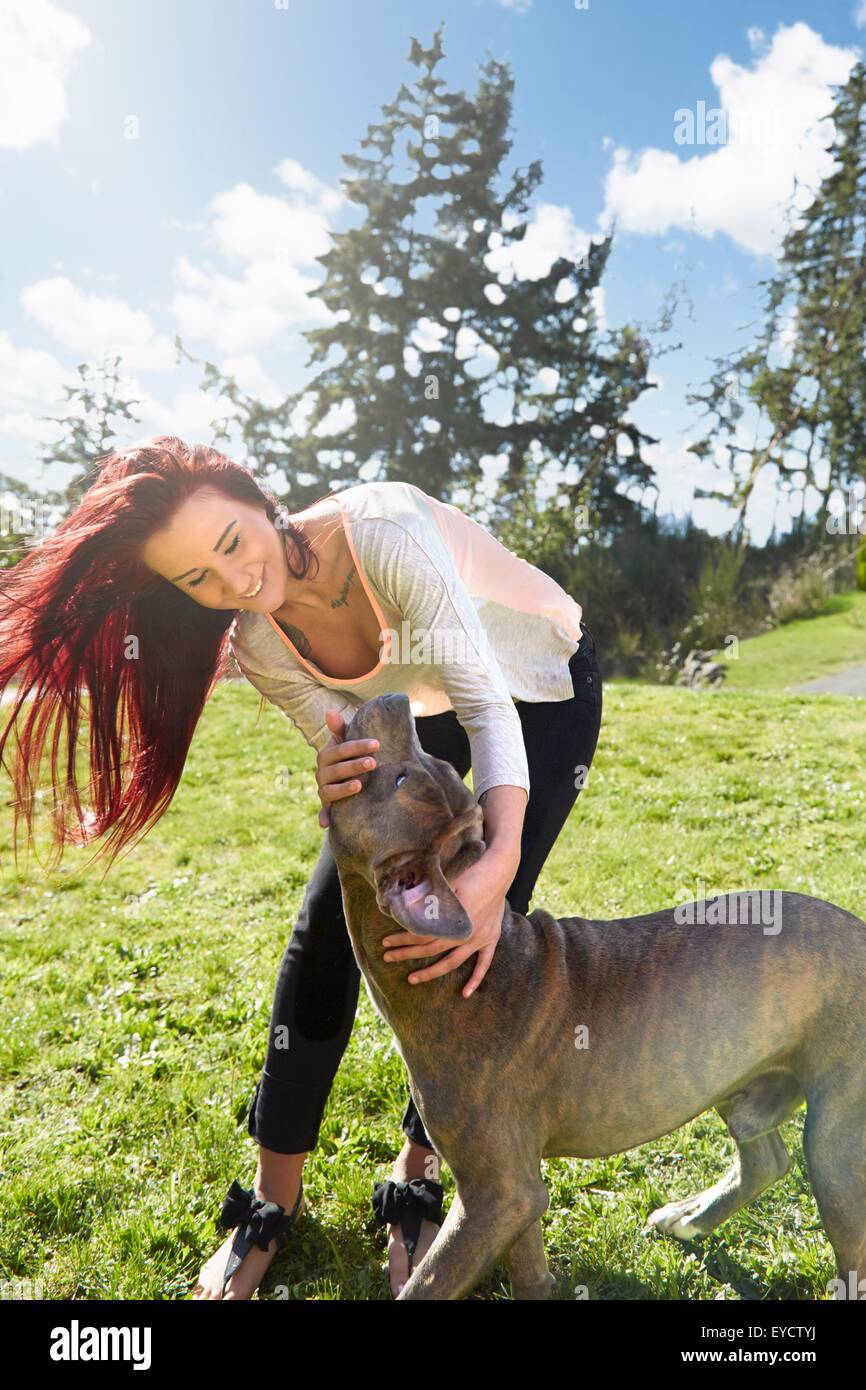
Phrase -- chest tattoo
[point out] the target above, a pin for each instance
(344, 592)
(298, 639)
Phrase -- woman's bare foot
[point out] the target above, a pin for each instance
(413, 1161)
(278, 1179)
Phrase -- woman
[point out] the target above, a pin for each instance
(379, 588)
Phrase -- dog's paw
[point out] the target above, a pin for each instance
(680, 1219)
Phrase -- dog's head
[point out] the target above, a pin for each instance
(413, 823)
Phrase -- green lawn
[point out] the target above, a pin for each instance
(804, 650)
(135, 1009)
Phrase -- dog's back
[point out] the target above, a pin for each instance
(622, 1030)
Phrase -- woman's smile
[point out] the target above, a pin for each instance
(257, 587)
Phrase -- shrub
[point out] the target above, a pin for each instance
(861, 566)
(715, 600)
(800, 592)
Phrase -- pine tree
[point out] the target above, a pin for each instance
(431, 363)
(810, 400)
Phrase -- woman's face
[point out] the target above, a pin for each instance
(223, 553)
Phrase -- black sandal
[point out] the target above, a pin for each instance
(410, 1203)
(258, 1223)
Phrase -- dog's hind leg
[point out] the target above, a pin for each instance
(478, 1229)
(834, 1142)
(759, 1163)
(762, 1159)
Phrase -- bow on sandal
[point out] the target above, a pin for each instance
(258, 1223)
(410, 1203)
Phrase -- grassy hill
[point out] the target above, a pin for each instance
(134, 1009)
(804, 650)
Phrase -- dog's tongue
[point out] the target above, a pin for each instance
(411, 896)
(429, 908)
(409, 906)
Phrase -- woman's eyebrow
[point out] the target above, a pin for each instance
(186, 573)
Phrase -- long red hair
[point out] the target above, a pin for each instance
(67, 610)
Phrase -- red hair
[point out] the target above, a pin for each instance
(67, 610)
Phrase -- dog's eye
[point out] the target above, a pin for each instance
(401, 777)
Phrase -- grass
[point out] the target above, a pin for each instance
(805, 650)
(135, 1009)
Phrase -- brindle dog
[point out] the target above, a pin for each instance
(678, 1014)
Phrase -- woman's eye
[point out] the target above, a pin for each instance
(194, 583)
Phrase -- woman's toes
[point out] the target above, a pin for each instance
(244, 1281)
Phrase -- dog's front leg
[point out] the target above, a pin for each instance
(478, 1229)
(527, 1266)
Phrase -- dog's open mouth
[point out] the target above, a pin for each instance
(411, 895)
(407, 888)
(413, 886)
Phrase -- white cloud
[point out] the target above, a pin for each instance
(31, 386)
(39, 46)
(339, 418)
(314, 189)
(270, 240)
(518, 6)
(859, 15)
(28, 376)
(31, 389)
(189, 414)
(251, 226)
(252, 378)
(246, 314)
(24, 428)
(676, 475)
(552, 232)
(741, 188)
(190, 411)
(93, 324)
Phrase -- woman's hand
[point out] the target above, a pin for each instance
(339, 764)
(481, 889)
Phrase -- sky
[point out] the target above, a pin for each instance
(174, 168)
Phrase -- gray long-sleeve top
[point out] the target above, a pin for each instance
(464, 623)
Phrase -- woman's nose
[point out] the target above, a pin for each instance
(237, 583)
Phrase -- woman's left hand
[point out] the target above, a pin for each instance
(481, 889)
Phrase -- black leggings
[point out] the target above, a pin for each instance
(317, 986)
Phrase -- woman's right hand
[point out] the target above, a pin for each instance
(339, 764)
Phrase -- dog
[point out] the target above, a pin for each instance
(589, 1038)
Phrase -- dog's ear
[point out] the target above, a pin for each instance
(421, 899)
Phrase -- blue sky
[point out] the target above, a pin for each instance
(174, 167)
